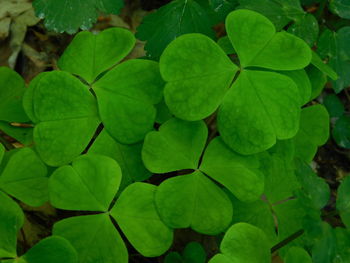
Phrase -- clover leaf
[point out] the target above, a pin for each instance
(88, 55)
(296, 255)
(243, 243)
(70, 15)
(341, 8)
(96, 179)
(24, 176)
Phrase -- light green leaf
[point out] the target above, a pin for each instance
(25, 177)
(89, 184)
(306, 27)
(136, 215)
(63, 108)
(257, 44)
(126, 104)
(324, 249)
(88, 55)
(246, 243)
(177, 145)
(343, 201)
(220, 258)
(53, 249)
(198, 74)
(94, 237)
(313, 132)
(193, 201)
(12, 219)
(318, 80)
(127, 156)
(303, 83)
(297, 255)
(70, 15)
(259, 108)
(11, 92)
(341, 8)
(237, 173)
(341, 132)
(22, 134)
(171, 21)
(2, 152)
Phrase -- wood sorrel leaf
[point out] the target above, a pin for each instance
(137, 216)
(88, 55)
(126, 103)
(193, 201)
(89, 184)
(198, 74)
(303, 83)
(260, 107)
(297, 255)
(62, 108)
(177, 145)
(237, 173)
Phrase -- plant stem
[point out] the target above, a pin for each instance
(7, 145)
(287, 240)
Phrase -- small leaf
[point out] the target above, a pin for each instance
(341, 8)
(323, 67)
(334, 106)
(318, 80)
(126, 104)
(303, 83)
(94, 237)
(297, 255)
(343, 201)
(171, 21)
(306, 27)
(177, 145)
(88, 55)
(198, 74)
(237, 173)
(89, 184)
(193, 201)
(341, 132)
(194, 253)
(136, 215)
(23, 135)
(2, 152)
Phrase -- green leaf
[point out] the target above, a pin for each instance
(88, 55)
(313, 132)
(22, 134)
(280, 12)
(127, 156)
(163, 112)
(237, 173)
(177, 145)
(126, 104)
(323, 67)
(53, 249)
(226, 45)
(306, 27)
(12, 219)
(70, 15)
(256, 42)
(2, 152)
(334, 106)
(341, 132)
(334, 46)
(193, 201)
(343, 201)
(341, 8)
(170, 21)
(324, 249)
(245, 243)
(220, 258)
(11, 92)
(318, 80)
(297, 255)
(259, 108)
(303, 83)
(24, 176)
(89, 184)
(173, 257)
(94, 237)
(136, 215)
(194, 253)
(198, 74)
(63, 108)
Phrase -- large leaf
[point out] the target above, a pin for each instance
(256, 42)
(170, 21)
(62, 108)
(126, 103)
(198, 74)
(193, 201)
(177, 145)
(343, 201)
(303, 83)
(11, 92)
(70, 15)
(88, 55)
(25, 177)
(89, 184)
(94, 237)
(137, 216)
(341, 8)
(237, 173)
(260, 107)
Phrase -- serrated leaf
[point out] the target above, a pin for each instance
(70, 15)
(177, 145)
(88, 55)
(260, 107)
(171, 21)
(136, 215)
(89, 184)
(126, 104)
(193, 201)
